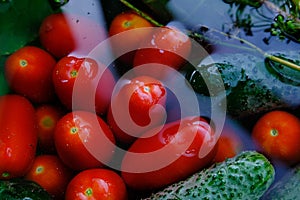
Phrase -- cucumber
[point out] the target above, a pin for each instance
(19, 189)
(253, 85)
(286, 188)
(246, 176)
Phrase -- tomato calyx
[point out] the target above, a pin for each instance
(88, 192)
(74, 130)
(274, 132)
(23, 63)
(5, 175)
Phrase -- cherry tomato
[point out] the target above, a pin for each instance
(277, 134)
(29, 73)
(62, 34)
(169, 155)
(95, 184)
(50, 173)
(138, 97)
(166, 46)
(18, 136)
(83, 140)
(86, 72)
(47, 117)
(229, 145)
(130, 22)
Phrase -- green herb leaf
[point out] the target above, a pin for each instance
(20, 21)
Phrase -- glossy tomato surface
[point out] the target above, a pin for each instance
(169, 155)
(65, 33)
(277, 134)
(95, 184)
(50, 173)
(18, 136)
(132, 110)
(166, 46)
(28, 72)
(83, 83)
(83, 140)
(130, 40)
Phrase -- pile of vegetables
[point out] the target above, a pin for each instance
(137, 102)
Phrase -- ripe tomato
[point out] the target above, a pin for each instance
(50, 173)
(166, 46)
(138, 97)
(229, 145)
(277, 134)
(18, 136)
(101, 184)
(29, 73)
(165, 156)
(86, 72)
(47, 117)
(132, 23)
(83, 140)
(62, 34)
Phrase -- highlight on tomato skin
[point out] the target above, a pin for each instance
(18, 136)
(132, 110)
(78, 136)
(98, 183)
(50, 173)
(129, 28)
(277, 135)
(179, 144)
(31, 67)
(75, 80)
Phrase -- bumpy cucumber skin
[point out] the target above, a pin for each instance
(246, 176)
(287, 188)
(18, 189)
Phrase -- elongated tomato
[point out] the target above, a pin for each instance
(18, 136)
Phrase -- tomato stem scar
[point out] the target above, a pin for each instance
(274, 132)
(88, 192)
(23, 63)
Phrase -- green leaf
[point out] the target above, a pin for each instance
(20, 21)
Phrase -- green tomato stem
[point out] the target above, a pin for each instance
(141, 13)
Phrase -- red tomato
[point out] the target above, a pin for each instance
(92, 95)
(96, 184)
(47, 117)
(83, 140)
(29, 73)
(277, 134)
(229, 145)
(130, 40)
(18, 136)
(167, 46)
(137, 97)
(163, 157)
(62, 34)
(50, 173)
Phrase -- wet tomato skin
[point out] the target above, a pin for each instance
(96, 183)
(18, 136)
(83, 140)
(181, 143)
(50, 173)
(166, 46)
(29, 73)
(138, 96)
(130, 40)
(84, 74)
(277, 134)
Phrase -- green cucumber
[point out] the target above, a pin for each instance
(19, 189)
(253, 85)
(246, 176)
(286, 188)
